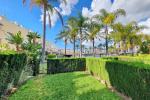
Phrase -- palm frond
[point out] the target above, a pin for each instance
(60, 16)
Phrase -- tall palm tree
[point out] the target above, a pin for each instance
(64, 35)
(107, 19)
(81, 24)
(15, 39)
(48, 8)
(93, 29)
(73, 30)
(33, 36)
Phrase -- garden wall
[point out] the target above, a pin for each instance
(11, 66)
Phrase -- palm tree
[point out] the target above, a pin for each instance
(119, 34)
(64, 35)
(15, 39)
(107, 19)
(33, 36)
(73, 30)
(81, 25)
(93, 29)
(48, 8)
(127, 34)
(134, 38)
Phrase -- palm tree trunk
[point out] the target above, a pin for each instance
(93, 47)
(80, 42)
(74, 44)
(65, 45)
(17, 47)
(124, 42)
(44, 34)
(106, 40)
(34, 40)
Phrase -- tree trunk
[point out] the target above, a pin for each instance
(93, 47)
(132, 49)
(106, 40)
(44, 35)
(80, 42)
(17, 47)
(34, 40)
(74, 44)
(65, 45)
(124, 43)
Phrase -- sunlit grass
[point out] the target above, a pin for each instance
(65, 86)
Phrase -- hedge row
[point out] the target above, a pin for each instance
(65, 65)
(143, 59)
(11, 66)
(130, 78)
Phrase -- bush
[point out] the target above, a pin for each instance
(130, 78)
(11, 66)
(65, 65)
(51, 56)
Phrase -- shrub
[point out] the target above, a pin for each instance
(11, 66)
(51, 56)
(130, 78)
(65, 65)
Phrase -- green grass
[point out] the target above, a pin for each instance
(65, 86)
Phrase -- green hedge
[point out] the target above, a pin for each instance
(144, 59)
(51, 56)
(130, 78)
(11, 66)
(65, 65)
(97, 66)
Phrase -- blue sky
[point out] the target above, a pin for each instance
(14, 10)
(30, 19)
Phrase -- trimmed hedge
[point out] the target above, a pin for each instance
(130, 78)
(51, 56)
(144, 59)
(65, 65)
(97, 66)
(11, 66)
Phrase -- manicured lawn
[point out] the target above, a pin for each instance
(65, 86)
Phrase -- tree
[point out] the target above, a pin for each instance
(32, 49)
(81, 24)
(64, 35)
(73, 30)
(144, 47)
(48, 9)
(107, 19)
(15, 39)
(127, 34)
(119, 34)
(134, 38)
(33, 36)
(93, 29)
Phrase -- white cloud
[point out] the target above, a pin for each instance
(136, 9)
(54, 18)
(64, 9)
(96, 5)
(147, 24)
